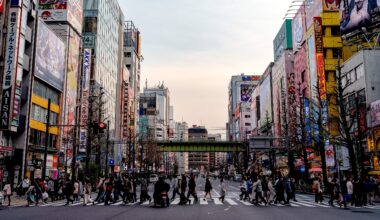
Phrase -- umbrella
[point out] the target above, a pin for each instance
(315, 169)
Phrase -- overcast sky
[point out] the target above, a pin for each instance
(195, 46)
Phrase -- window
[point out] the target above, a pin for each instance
(90, 24)
(247, 124)
(335, 31)
(45, 92)
(247, 116)
(303, 77)
(337, 53)
(128, 54)
(361, 96)
(359, 71)
(351, 101)
(39, 114)
(38, 138)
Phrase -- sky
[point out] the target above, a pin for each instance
(195, 46)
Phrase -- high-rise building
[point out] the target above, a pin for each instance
(240, 89)
(200, 161)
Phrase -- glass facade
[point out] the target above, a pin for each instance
(38, 138)
(39, 114)
(45, 92)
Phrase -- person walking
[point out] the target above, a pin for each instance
(208, 188)
(76, 191)
(243, 188)
(183, 199)
(50, 189)
(331, 190)
(7, 190)
(272, 191)
(25, 185)
(350, 191)
(280, 190)
(30, 195)
(108, 187)
(176, 188)
(100, 187)
(68, 191)
(318, 190)
(259, 192)
(192, 191)
(223, 190)
(144, 192)
(87, 192)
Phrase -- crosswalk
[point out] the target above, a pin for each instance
(233, 202)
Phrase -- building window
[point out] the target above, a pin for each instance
(351, 101)
(90, 24)
(247, 116)
(335, 31)
(359, 70)
(247, 124)
(303, 76)
(45, 92)
(337, 53)
(38, 138)
(39, 114)
(361, 96)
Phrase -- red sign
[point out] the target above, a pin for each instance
(1, 6)
(321, 76)
(5, 149)
(55, 161)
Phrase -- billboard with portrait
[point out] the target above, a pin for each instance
(62, 10)
(50, 57)
(265, 102)
(356, 14)
(246, 92)
(299, 28)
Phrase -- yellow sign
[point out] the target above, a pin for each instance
(371, 144)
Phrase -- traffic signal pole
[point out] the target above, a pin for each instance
(46, 138)
(107, 146)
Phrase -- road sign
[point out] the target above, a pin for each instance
(303, 169)
(111, 162)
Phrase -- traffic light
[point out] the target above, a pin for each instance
(102, 126)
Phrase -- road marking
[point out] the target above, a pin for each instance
(217, 194)
(231, 202)
(203, 202)
(294, 205)
(317, 204)
(304, 204)
(218, 202)
(101, 203)
(191, 201)
(117, 203)
(176, 201)
(77, 203)
(245, 202)
(145, 203)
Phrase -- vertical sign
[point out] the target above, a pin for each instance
(85, 95)
(1, 6)
(10, 67)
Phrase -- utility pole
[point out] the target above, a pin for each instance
(359, 152)
(107, 148)
(47, 138)
(303, 135)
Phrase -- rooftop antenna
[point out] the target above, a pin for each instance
(146, 83)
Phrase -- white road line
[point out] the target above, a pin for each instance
(294, 205)
(145, 203)
(176, 201)
(53, 203)
(77, 203)
(245, 202)
(218, 202)
(117, 203)
(303, 204)
(102, 203)
(231, 202)
(191, 201)
(203, 202)
(217, 194)
(317, 204)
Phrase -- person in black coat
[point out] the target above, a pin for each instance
(208, 188)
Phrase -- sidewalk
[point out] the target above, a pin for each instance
(16, 201)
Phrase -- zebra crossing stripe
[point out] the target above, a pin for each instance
(294, 205)
(303, 204)
(117, 203)
(176, 201)
(231, 202)
(203, 202)
(317, 204)
(218, 202)
(145, 203)
(246, 203)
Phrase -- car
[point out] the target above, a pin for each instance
(237, 178)
(153, 178)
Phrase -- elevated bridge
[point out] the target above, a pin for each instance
(202, 146)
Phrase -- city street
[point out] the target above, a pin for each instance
(233, 208)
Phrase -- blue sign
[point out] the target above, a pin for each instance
(111, 162)
(303, 169)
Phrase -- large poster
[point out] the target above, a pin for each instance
(265, 102)
(246, 93)
(299, 28)
(50, 57)
(375, 113)
(62, 10)
(12, 71)
(85, 96)
(355, 14)
(71, 84)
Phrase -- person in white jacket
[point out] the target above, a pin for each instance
(7, 192)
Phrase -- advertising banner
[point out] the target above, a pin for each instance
(375, 113)
(71, 84)
(312, 68)
(50, 57)
(246, 93)
(307, 122)
(2, 6)
(12, 71)
(313, 8)
(355, 14)
(85, 95)
(299, 28)
(331, 5)
(265, 102)
(62, 10)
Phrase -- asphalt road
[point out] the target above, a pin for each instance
(232, 209)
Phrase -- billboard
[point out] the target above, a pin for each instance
(71, 83)
(299, 28)
(12, 72)
(375, 113)
(331, 5)
(2, 6)
(313, 8)
(265, 102)
(355, 14)
(50, 57)
(246, 92)
(312, 68)
(62, 10)
(85, 95)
